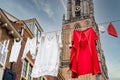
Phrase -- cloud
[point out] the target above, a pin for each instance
(63, 4)
(19, 9)
(24, 11)
(45, 6)
(48, 10)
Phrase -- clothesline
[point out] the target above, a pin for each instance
(107, 22)
(52, 31)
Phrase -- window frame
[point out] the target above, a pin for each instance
(29, 63)
(2, 64)
(77, 26)
(34, 29)
(25, 66)
(29, 72)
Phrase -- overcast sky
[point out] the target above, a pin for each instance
(49, 15)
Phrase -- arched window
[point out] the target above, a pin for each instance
(77, 26)
(77, 14)
(77, 2)
(42, 78)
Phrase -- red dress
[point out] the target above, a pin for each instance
(83, 56)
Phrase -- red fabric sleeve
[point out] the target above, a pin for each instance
(73, 47)
(94, 35)
(96, 67)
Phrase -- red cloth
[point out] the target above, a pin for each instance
(83, 56)
(111, 30)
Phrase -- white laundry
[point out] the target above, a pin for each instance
(59, 38)
(33, 47)
(101, 28)
(47, 59)
(30, 46)
(26, 48)
(15, 51)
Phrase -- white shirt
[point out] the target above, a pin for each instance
(15, 51)
(30, 46)
(33, 47)
(101, 28)
(47, 59)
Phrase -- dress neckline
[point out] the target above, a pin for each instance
(83, 30)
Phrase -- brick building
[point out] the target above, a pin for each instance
(12, 28)
(6, 33)
(78, 12)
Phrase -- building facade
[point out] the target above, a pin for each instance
(12, 29)
(6, 33)
(80, 14)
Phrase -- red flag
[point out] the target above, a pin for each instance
(111, 30)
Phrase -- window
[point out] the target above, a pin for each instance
(29, 72)
(77, 2)
(77, 14)
(2, 54)
(42, 78)
(77, 26)
(34, 29)
(26, 70)
(38, 34)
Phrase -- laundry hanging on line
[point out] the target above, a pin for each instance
(30, 46)
(83, 55)
(33, 46)
(15, 51)
(48, 55)
(111, 30)
(101, 28)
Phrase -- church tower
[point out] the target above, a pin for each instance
(79, 9)
(80, 14)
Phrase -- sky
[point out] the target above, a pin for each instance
(49, 15)
(107, 11)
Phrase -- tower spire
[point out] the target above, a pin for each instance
(69, 9)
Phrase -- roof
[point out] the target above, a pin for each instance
(9, 27)
(36, 23)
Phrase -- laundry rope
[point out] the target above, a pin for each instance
(96, 23)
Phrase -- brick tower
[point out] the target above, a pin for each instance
(80, 14)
